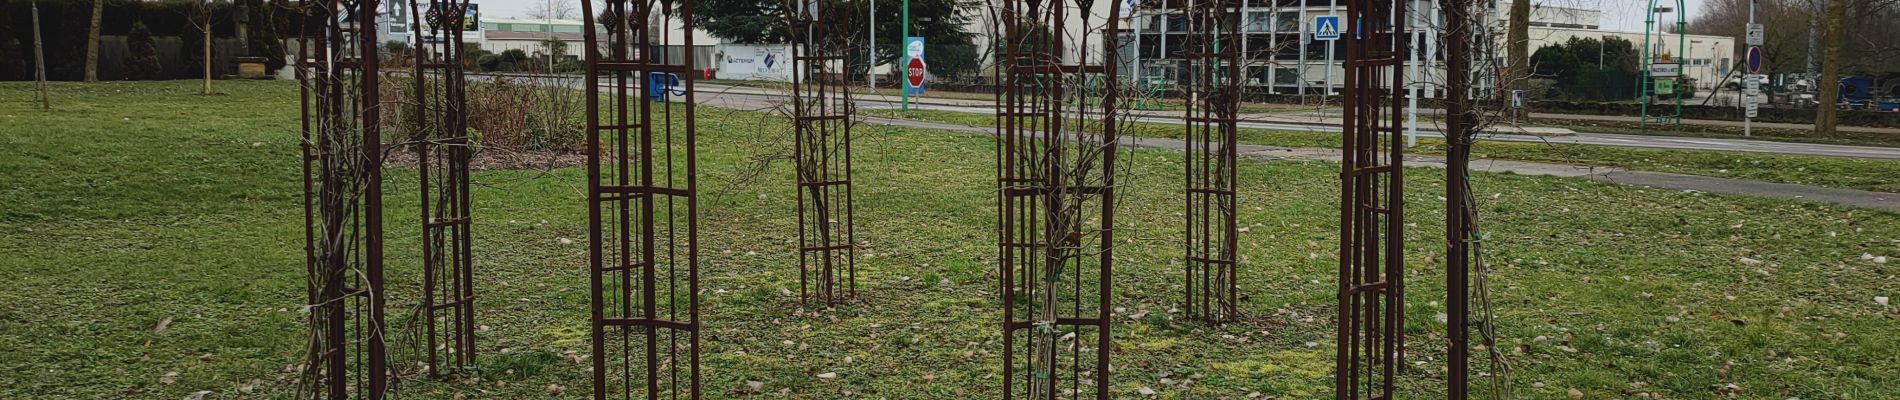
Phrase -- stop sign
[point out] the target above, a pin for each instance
(914, 72)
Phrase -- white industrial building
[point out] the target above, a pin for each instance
(1282, 56)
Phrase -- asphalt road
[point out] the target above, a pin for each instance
(754, 98)
(759, 99)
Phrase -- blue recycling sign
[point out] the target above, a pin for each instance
(1326, 27)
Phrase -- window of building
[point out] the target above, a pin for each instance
(1259, 21)
(1259, 46)
(1286, 76)
(1259, 75)
(1289, 21)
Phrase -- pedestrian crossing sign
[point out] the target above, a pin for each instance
(1326, 27)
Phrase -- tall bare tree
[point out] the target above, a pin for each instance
(199, 15)
(1517, 43)
(553, 9)
(92, 41)
(1827, 115)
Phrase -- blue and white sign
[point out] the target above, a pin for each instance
(1326, 27)
(914, 65)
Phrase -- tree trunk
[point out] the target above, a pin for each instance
(207, 54)
(1517, 42)
(1826, 115)
(92, 41)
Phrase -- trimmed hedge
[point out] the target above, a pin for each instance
(66, 24)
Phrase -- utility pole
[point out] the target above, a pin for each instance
(870, 73)
(39, 60)
(906, 92)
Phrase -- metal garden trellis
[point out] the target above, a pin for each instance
(821, 116)
(343, 218)
(1055, 183)
(441, 129)
(1213, 101)
(643, 203)
(1371, 256)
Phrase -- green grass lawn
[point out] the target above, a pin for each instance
(1836, 172)
(136, 204)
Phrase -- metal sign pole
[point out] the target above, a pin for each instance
(906, 37)
(1332, 10)
(1411, 99)
(1748, 79)
(870, 72)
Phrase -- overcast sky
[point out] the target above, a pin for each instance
(1620, 15)
(1627, 15)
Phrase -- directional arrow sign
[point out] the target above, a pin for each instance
(1326, 27)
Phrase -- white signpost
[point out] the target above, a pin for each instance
(1665, 70)
(1751, 93)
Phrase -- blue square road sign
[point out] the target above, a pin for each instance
(1326, 27)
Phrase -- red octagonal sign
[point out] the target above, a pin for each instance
(914, 72)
